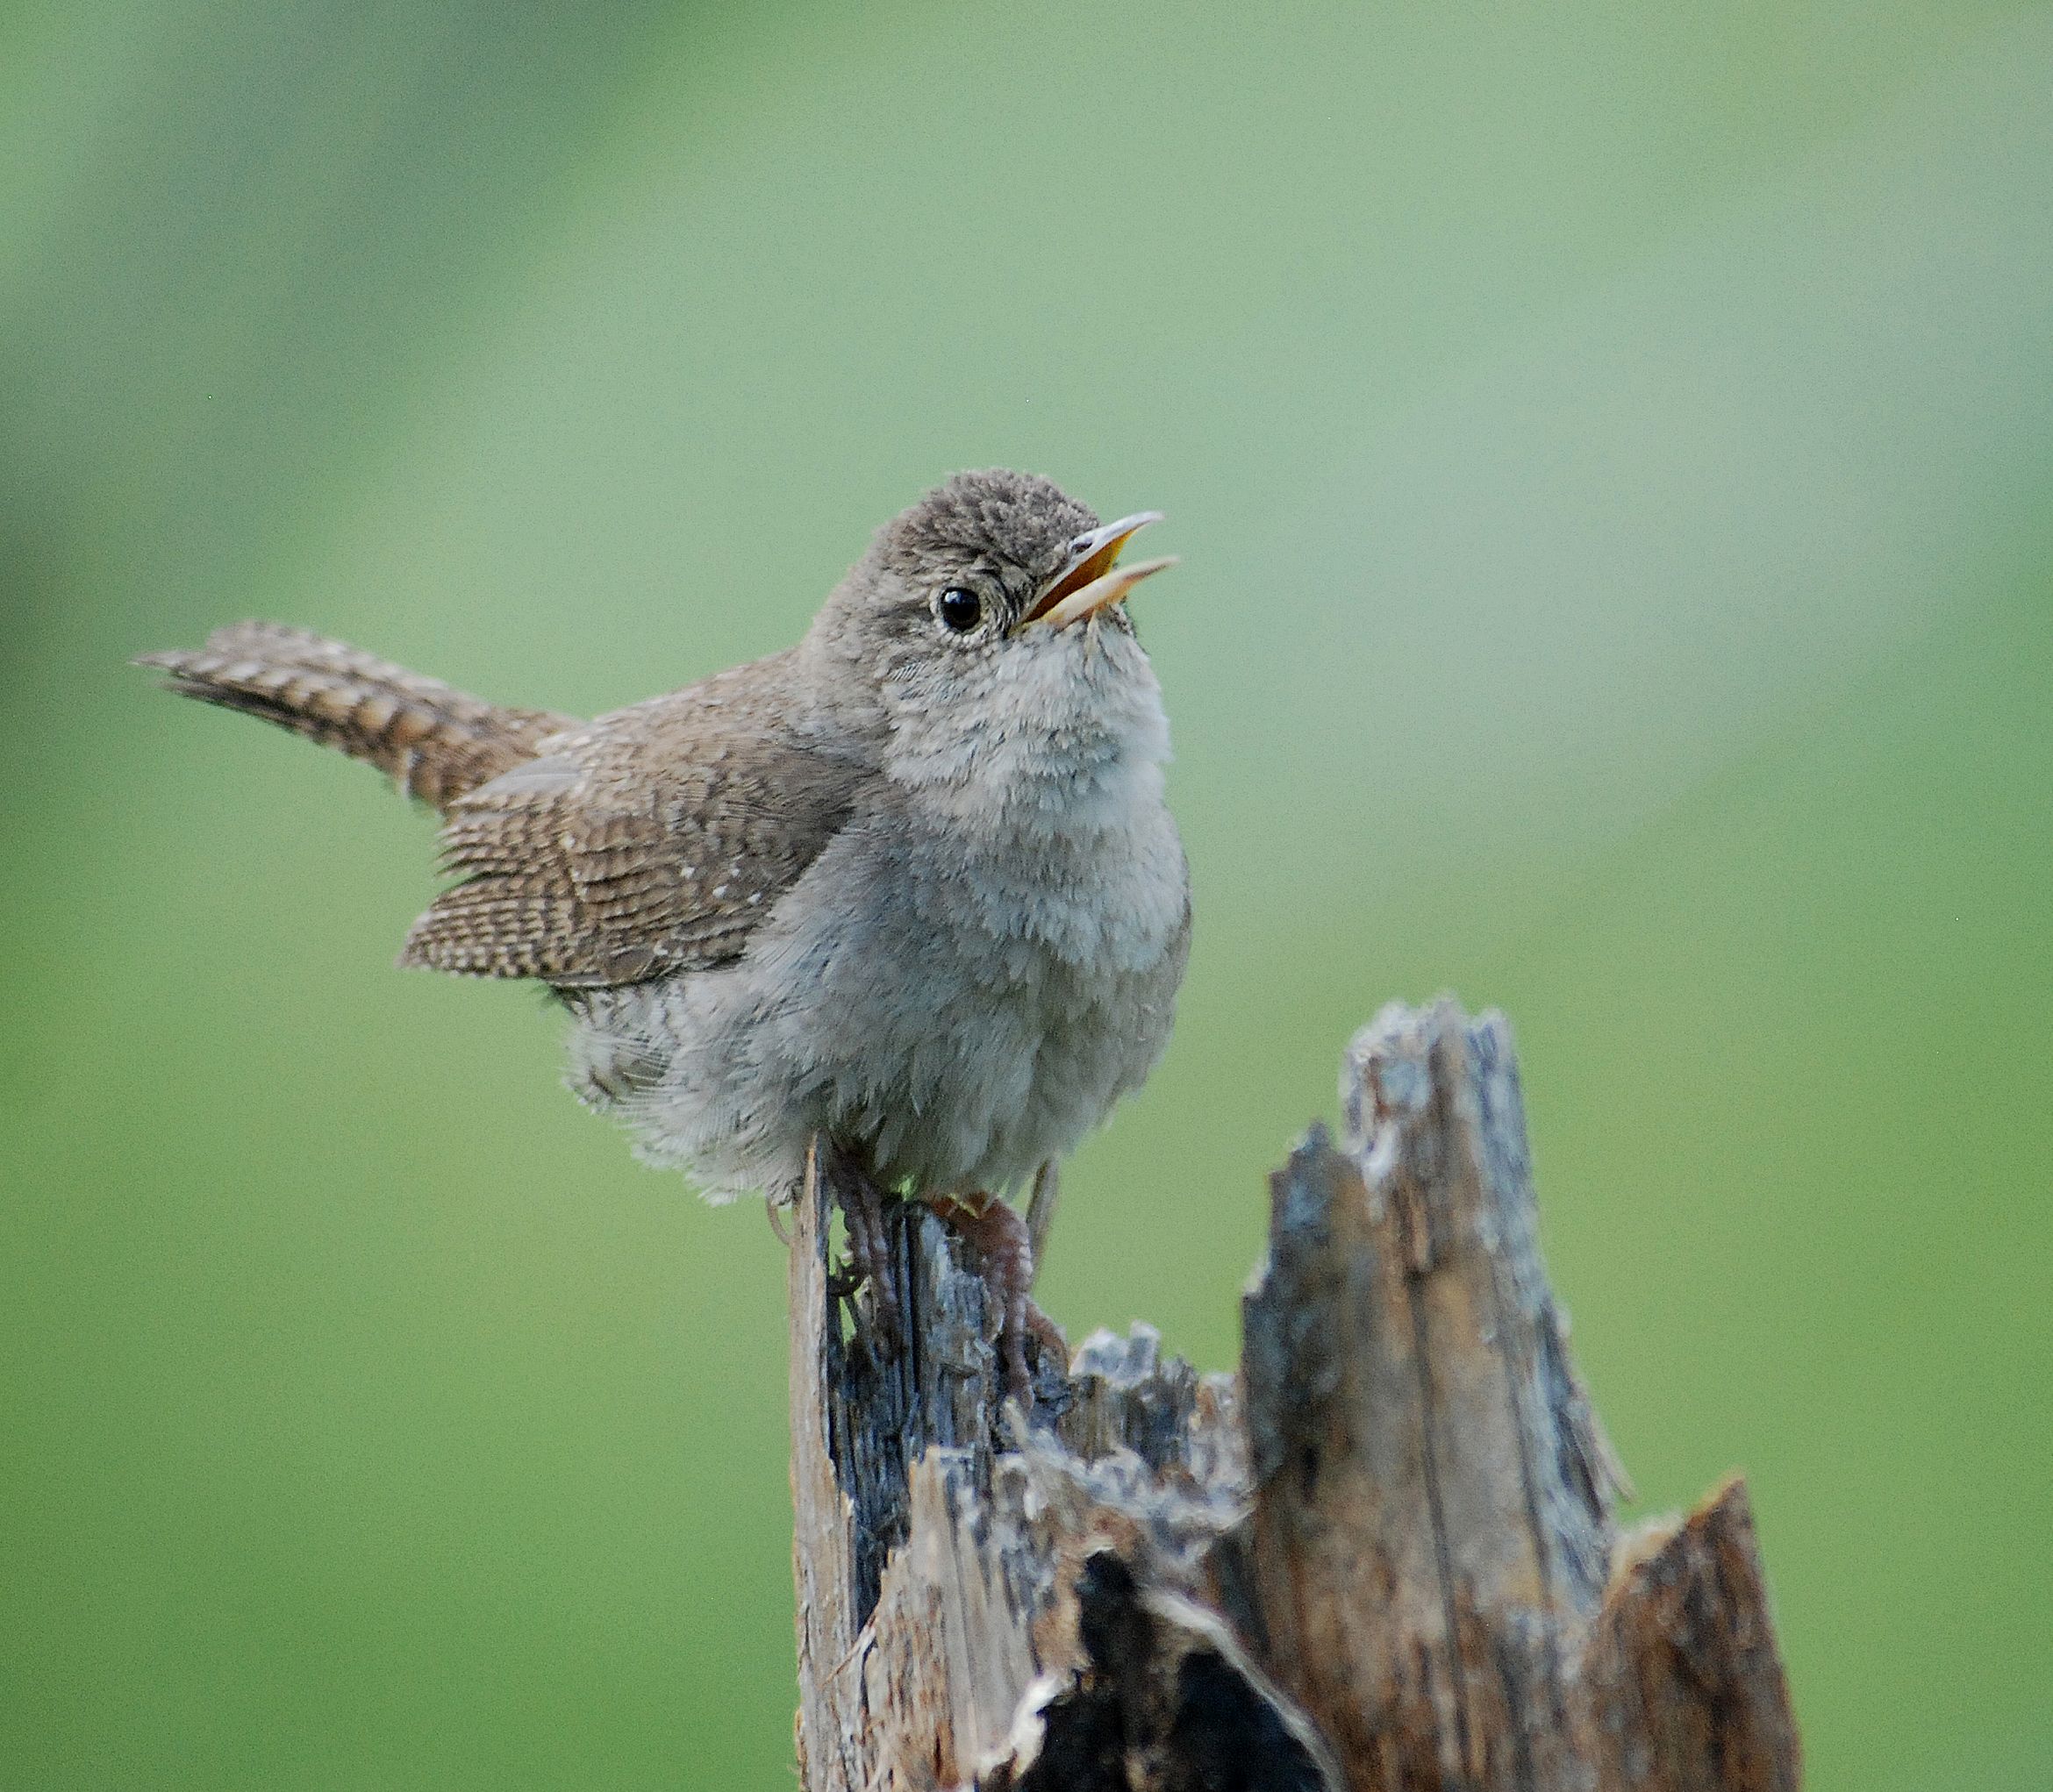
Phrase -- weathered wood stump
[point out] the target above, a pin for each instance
(1384, 1557)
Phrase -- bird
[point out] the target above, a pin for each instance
(909, 891)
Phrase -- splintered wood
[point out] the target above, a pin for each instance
(1383, 1557)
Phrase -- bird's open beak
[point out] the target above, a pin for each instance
(1090, 581)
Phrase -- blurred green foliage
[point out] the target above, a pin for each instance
(1611, 451)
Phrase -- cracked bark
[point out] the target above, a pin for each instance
(1383, 1557)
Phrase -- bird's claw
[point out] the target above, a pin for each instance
(863, 1209)
(1001, 1239)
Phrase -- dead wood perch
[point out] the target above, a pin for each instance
(1383, 1557)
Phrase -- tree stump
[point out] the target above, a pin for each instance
(1383, 1557)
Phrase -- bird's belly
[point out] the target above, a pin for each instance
(961, 1024)
(999, 1062)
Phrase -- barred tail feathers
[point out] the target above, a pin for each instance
(434, 741)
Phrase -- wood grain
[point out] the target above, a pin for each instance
(1384, 1557)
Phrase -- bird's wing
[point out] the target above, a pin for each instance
(651, 841)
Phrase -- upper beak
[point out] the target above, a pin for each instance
(1089, 580)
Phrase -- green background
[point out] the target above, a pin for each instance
(1611, 449)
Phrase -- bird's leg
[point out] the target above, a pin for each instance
(1001, 1237)
(869, 1245)
(1040, 1209)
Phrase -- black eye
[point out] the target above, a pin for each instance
(960, 610)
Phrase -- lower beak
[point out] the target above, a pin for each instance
(1101, 593)
(1090, 581)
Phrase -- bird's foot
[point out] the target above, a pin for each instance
(863, 1211)
(1051, 1336)
(1001, 1237)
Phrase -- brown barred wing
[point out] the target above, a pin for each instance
(651, 841)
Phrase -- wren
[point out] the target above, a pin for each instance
(910, 888)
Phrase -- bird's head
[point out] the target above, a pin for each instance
(988, 625)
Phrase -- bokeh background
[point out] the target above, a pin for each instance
(1611, 449)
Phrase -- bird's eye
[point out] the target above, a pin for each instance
(960, 610)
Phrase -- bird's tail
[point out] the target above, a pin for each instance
(434, 741)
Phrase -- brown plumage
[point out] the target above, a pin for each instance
(653, 841)
(435, 742)
(650, 841)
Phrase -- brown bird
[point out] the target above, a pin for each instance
(910, 887)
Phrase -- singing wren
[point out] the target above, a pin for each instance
(910, 888)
